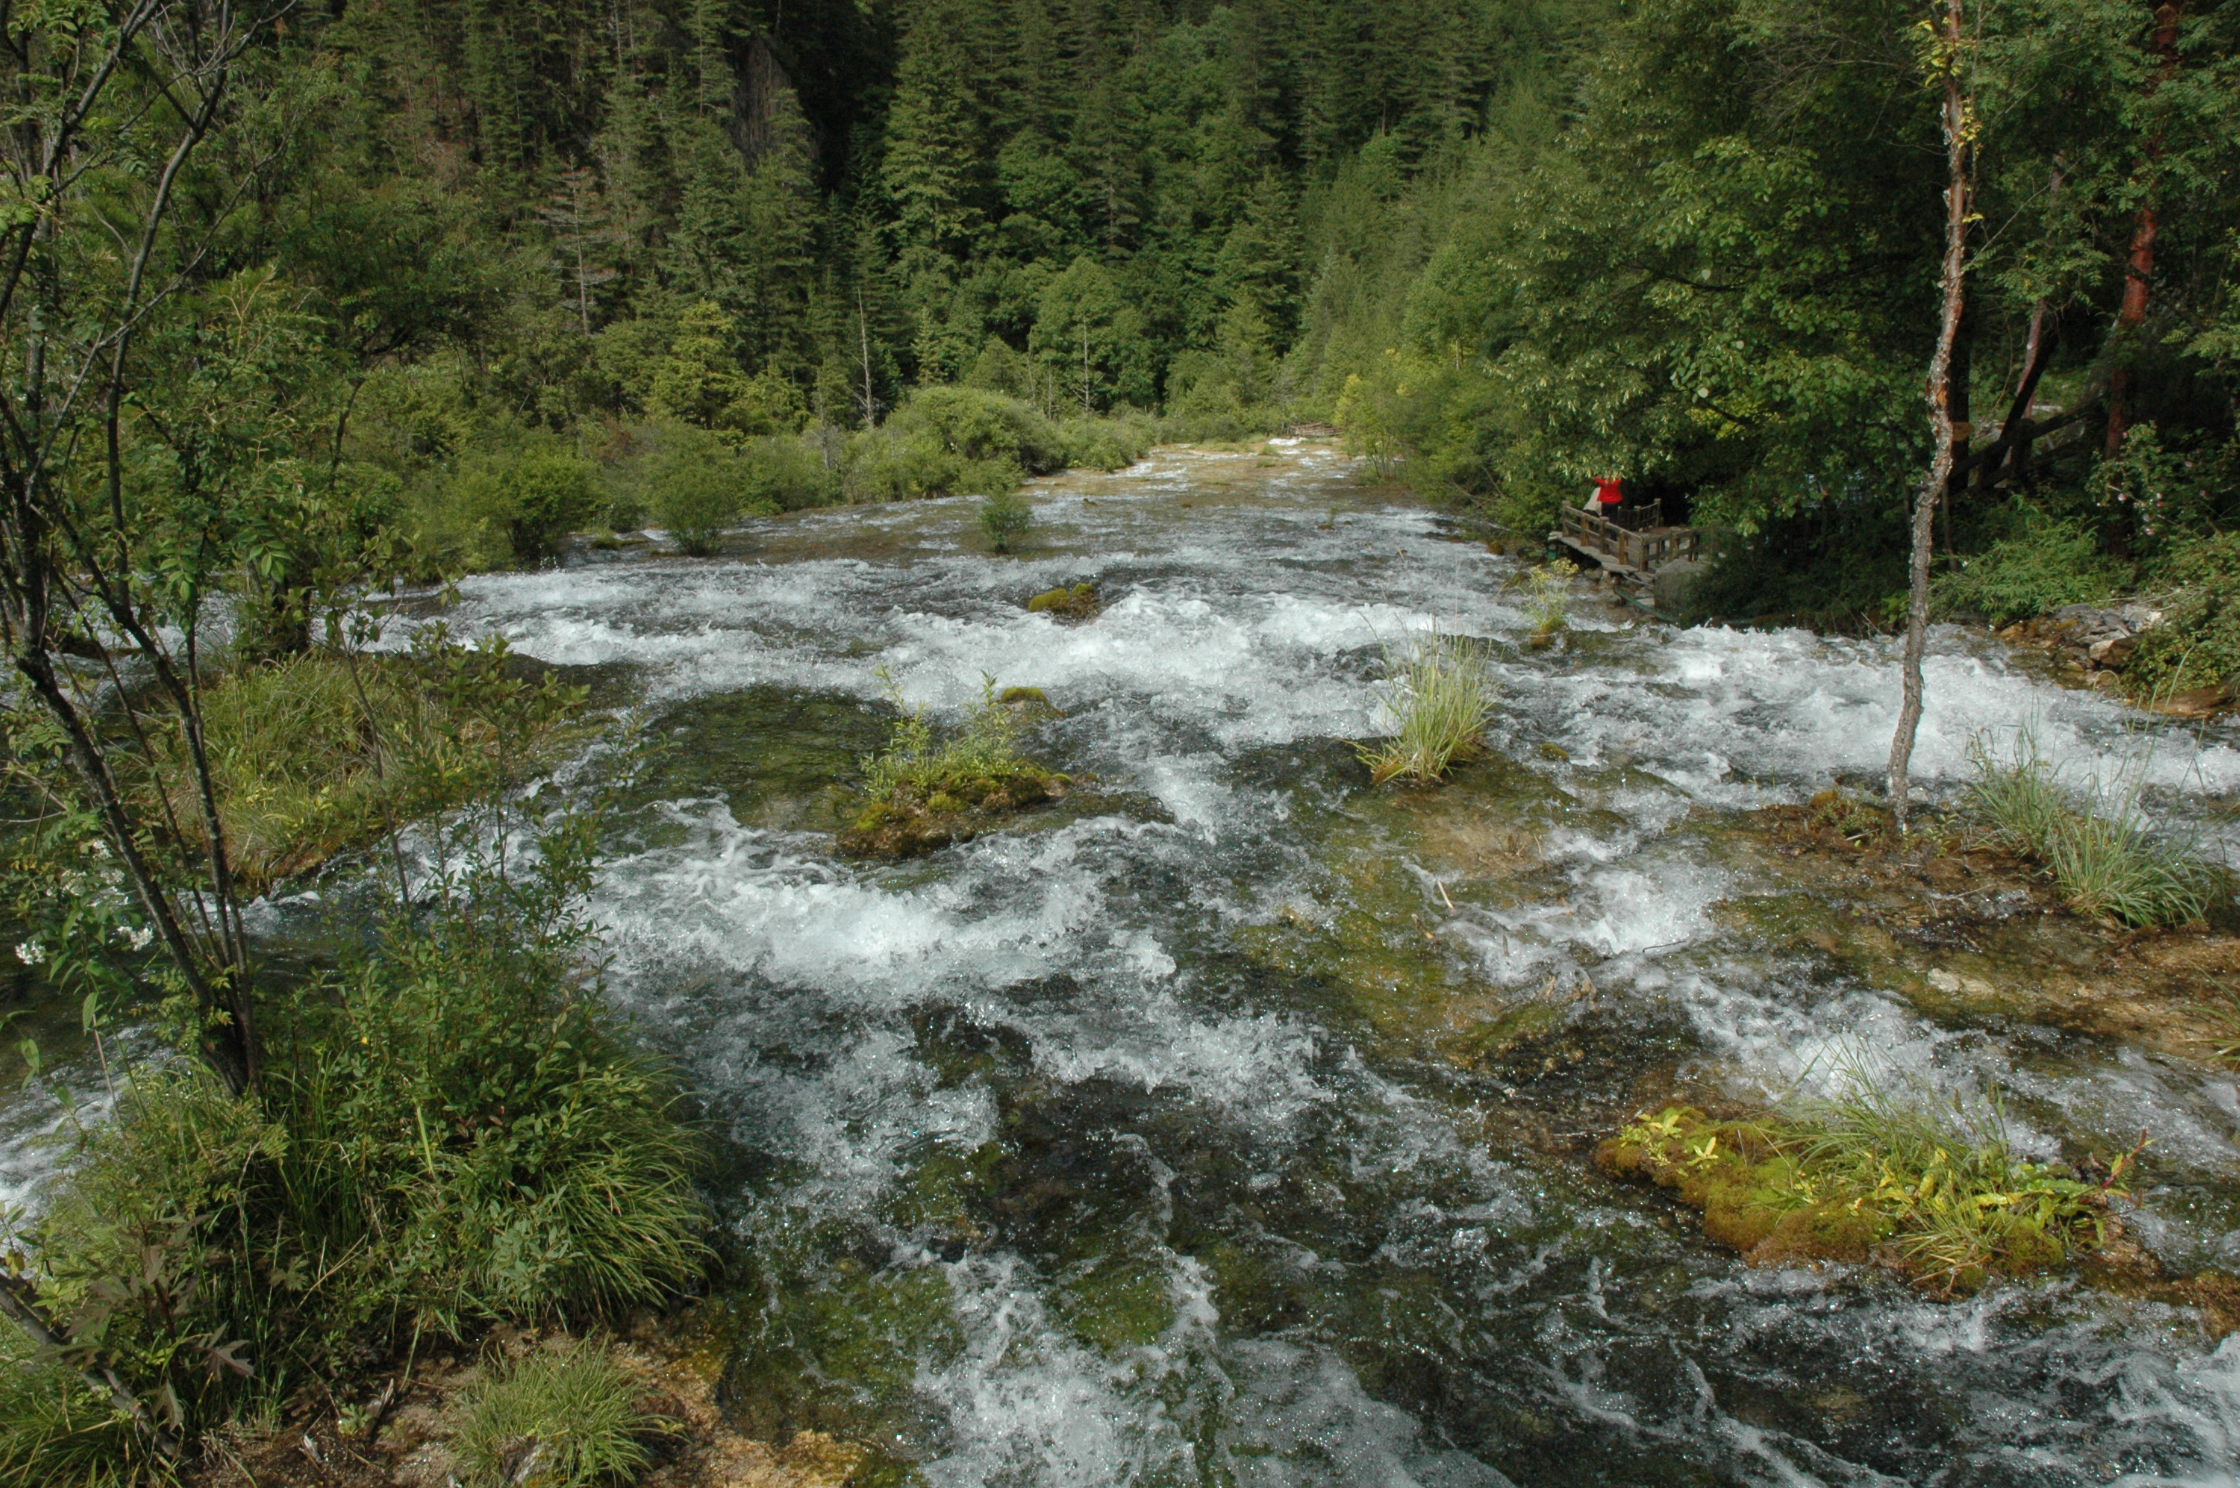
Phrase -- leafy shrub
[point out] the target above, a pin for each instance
(1112, 443)
(2198, 643)
(536, 496)
(786, 473)
(1440, 696)
(2047, 564)
(952, 441)
(697, 485)
(980, 426)
(498, 508)
(1004, 517)
(566, 1420)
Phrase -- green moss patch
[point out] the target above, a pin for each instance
(1868, 1182)
(1068, 602)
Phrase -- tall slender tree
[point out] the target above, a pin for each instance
(1945, 44)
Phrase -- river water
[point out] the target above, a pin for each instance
(1230, 1123)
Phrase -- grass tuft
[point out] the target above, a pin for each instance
(1440, 694)
(564, 1420)
(2109, 861)
(322, 752)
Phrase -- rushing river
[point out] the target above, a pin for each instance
(1230, 1123)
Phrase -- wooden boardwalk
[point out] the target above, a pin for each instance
(1634, 547)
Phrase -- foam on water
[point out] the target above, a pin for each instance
(1444, 1303)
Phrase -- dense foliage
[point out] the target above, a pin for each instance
(481, 265)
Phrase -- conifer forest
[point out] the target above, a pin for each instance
(1058, 743)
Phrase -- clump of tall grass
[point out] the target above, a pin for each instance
(56, 1427)
(1440, 695)
(452, 1130)
(563, 1419)
(2106, 856)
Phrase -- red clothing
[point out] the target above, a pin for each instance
(1611, 492)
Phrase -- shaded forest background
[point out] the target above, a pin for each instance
(480, 272)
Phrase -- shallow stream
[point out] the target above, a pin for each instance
(1229, 1124)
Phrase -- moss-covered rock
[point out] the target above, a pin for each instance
(912, 819)
(1946, 1211)
(1068, 602)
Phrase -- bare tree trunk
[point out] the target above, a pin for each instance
(863, 339)
(1959, 129)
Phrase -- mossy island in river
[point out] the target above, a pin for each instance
(925, 791)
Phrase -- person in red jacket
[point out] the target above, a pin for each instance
(1609, 495)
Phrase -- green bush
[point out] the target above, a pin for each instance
(697, 485)
(952, 441)
(2047, 564)
(535, 496)
(451, 1130)
(1112, 443)
(564, 1420)
(786, 472)
(1005, 516)
(2198, 643)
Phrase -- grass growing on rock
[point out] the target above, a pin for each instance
(2109, 860)
(1440, 695)
(925, 790)
(1932, 1191)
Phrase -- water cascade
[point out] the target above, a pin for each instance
(1230, 1122)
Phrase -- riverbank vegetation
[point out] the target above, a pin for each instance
(448, 1131)
(1931, 1189)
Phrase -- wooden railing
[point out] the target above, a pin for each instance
(1637, 539)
